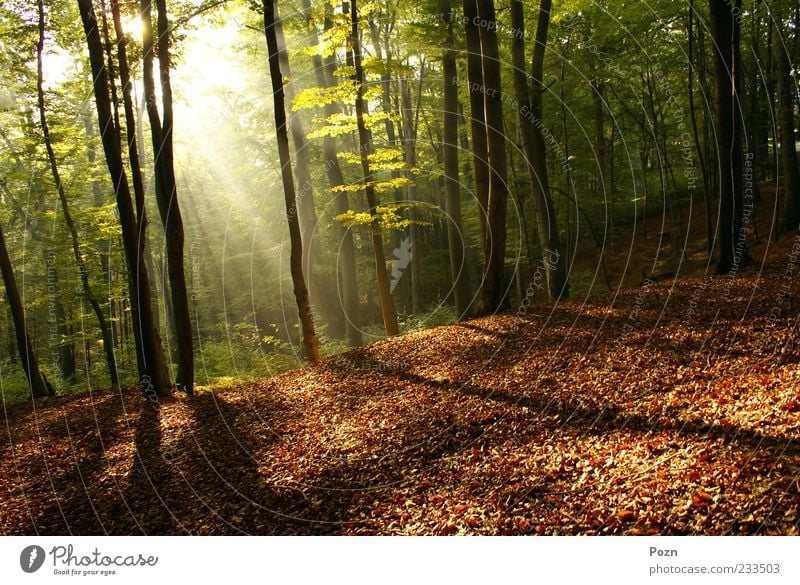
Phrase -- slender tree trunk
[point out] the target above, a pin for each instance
(305, 192)
(599, 137)
(705, 91)
(112, 78)
(530, 119)
(39, 386)
(696, 135)
(133, 126)
(475, 84)
(727, 63)
(105, 330)
(455, 230)
(99, 199)
(791, 175)
(150, 353)
(11, 342)
(568, 180)
(410, 148)
(406, 130)
(130, 120)
(365, 141)
(166, 188)
(325, 70)
(65, 351)
(310, 346)
(493, 297)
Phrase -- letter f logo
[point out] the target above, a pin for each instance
(31, 558)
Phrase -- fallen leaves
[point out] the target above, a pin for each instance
(553, 424)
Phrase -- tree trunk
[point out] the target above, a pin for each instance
(165, 186)
(529, 116)
(727, 63)
(406, 131)
(305, 192)
(99, 200)
(310, 346)
(365, 141)
(455, 229)
(39, 386)
(105, 330)
(493, 297)
(599, 137)
(791, 175)
(696, 135)
(480, 154)
(410, 148)
(346, 262)
(152, 364)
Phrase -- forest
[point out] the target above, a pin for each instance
(381, 267)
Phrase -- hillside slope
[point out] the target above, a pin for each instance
(669, 408)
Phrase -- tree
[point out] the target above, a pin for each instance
(725, 29)
(149, 351)
(480, 156)
(365, 150)
(325, 72)
(791, 174)
(529, 118)
(695, 132)
(310, 345)
(105, 330)
(455, 228)
(161, 127)
(492, 296)
(39, 386)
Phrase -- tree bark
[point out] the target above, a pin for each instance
(599, 137)
(696, 135)
(727, 63)
(529, 116)
(365, 141)
(306, 209)
(480, 154)
(161, 128)
(310, 346)
(150, 354)
(791, 175)
(105, 330)
(39, 386)
(325, 70)
(410, 148)
(455, 230)
(493, 297)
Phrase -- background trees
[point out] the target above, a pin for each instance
(507, 152)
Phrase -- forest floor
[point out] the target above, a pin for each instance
(670, 407)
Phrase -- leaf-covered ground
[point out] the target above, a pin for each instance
(670, 408)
